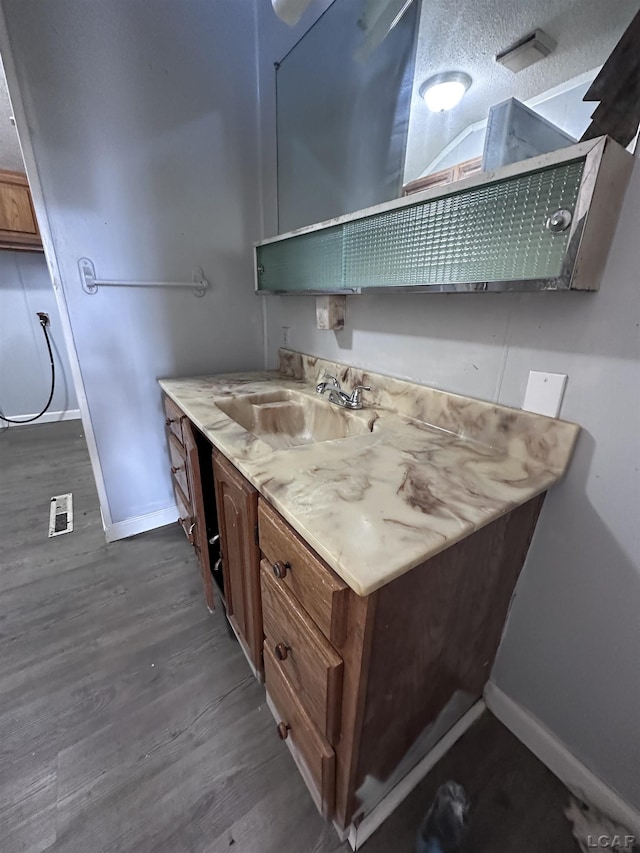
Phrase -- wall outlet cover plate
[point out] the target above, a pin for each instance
(544, 393)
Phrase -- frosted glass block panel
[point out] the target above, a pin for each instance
(488, 236)
(495, 232)
(306, 262)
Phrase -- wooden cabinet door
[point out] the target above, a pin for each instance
(18, 225)
(444, 176)
(466, 168)
(237, 503)
(199, 533)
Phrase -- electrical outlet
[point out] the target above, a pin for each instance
(544, 393)
(43, 317)
(285, 336)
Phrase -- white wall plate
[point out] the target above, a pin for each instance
(544, 393)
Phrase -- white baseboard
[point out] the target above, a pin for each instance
(47, 418)
(365, 829)
(544, 745)
(140, 524)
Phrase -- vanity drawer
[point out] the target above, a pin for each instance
(186, 516)
(314, 756)
(311, 665)
(321, 592)
(173, 419)
(179, 465)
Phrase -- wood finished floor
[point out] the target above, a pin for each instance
(129, 720)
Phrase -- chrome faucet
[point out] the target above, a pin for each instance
(340, 397)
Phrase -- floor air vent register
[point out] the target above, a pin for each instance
(61, 515)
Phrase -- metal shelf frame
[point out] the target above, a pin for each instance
(595, 174)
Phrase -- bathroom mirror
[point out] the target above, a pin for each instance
(343, 101)
(354, 130)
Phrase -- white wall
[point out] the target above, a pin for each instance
(570, 652)
(25, 373)
(10, 154)
(25, 288)
(144, 130)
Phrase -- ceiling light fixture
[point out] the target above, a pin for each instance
(290, 11)
(444, 91)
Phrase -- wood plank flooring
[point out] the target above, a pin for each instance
(129, 720)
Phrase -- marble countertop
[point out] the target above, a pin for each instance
(428, 469)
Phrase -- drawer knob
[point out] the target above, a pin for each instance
(282, 651)
(175, 469)
(280, 569)
(168, 421)
(283, 730)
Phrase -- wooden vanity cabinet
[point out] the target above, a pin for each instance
(369, 684)
(362, 687)
(188, 487)
(237, 503)
(218, 510)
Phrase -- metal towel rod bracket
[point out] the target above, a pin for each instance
(90, 283)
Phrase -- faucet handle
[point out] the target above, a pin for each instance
(356, 395)
(332, 378)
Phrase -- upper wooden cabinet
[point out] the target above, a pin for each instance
(444, 176)
(18, 224)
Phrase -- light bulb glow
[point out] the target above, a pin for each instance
(444, 91)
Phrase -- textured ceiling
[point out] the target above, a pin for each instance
(466, 35)
(10, 156)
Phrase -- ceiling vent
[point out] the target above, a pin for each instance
(526, 51)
